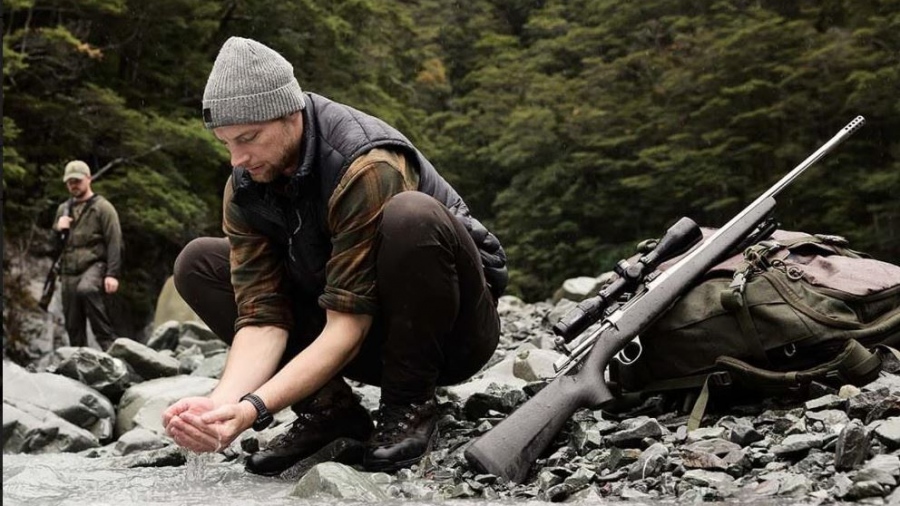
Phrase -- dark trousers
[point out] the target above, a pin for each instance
(83, 299)
(437, 325)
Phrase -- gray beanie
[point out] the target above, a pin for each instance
(249, 83)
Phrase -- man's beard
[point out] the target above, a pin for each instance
(276, 170)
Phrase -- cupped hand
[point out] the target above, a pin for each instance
(181, 421)
(197, 424)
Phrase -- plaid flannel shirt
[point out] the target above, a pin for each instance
(258, 273)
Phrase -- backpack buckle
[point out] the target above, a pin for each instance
(720, 379)
(733, 298)
(738, 282)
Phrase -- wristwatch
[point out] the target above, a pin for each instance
(263, 417)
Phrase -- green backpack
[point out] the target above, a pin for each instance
(791, 310)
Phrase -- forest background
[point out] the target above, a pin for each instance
(573, 128)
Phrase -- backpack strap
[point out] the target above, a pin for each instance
(87, 205)
(854, 365)
(732, 299)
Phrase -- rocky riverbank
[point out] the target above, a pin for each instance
(842, 445)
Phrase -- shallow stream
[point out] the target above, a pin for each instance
(70, 480)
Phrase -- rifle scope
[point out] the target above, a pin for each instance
(679, 238)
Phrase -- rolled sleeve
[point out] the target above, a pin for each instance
(355, 210)
(257, 272)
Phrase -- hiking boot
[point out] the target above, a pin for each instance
(405, 433)
(332, 414)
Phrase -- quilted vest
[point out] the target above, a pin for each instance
(334, 136)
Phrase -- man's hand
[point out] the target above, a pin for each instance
(63, 223)
(197, 424)
(110, 284)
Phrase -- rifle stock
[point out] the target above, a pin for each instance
(510, 448)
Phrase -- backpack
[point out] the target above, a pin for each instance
(790, 311)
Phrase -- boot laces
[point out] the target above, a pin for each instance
(395, 421)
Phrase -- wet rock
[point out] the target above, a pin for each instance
(852, 446)
(138, 440)
(635, 430)
(651, 463)
(586, 436)
(207, 347)
(797, 445)
(143, 404)
(548, 478)
(888, 432)
(145, 361)
(815, 464)
(589, 495)
(70, 400)
(704, 478)
(785, 484)
(560, 309)
(189, 359)
(580, 479)
(561, 457)
(108, 375)
(885, 381)
(165, 336)
(702, 460)
(168, 456)
(841, 487)
(859, 406)
(830, 401)
(571, 484)
(458, 491)
(864, 489)
(333, 480)
(211, 367)
(31, 430)
(717, 446)
(705, 433)
(580, 288)
(744, 435)
(827, 420)
(198, 330)
(499, 375)
(882, 468)
(479, 404)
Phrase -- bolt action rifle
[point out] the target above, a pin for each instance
(624, 309)
(50, 281)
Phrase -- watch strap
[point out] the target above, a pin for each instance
(263, 417)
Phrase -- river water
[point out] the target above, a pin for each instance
(70, 480)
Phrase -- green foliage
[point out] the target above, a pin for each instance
(573, 128)
(602, 122)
